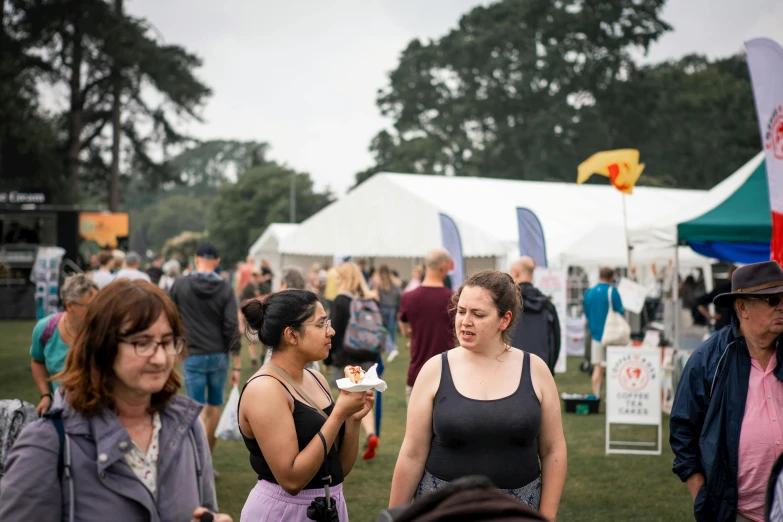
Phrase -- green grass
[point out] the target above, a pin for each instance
(598, 487)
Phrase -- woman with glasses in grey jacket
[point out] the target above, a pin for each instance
(122, 446)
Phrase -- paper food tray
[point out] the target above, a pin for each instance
(371, 381)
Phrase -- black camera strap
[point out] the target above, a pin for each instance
(328, 478)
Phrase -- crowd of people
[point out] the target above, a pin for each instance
(117, 441)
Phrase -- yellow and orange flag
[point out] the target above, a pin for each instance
(621, 166)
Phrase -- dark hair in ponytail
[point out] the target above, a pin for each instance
(272, 314)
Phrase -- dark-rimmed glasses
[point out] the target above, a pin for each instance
(148, 347)
(773, 300)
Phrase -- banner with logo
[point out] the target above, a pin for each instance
(453, 244)
(531, 236)
(633, 386)
(765, 62)
(553, 284)
(46, 276)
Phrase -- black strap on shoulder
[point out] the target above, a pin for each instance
(56, 418)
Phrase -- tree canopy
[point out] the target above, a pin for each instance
(85, 52)
(527, 89)
(241, 211)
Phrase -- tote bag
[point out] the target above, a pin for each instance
(617, 331)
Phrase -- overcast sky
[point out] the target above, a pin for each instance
(303, 74)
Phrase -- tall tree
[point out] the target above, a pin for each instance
(90, 48)
(260, 196)
(116, 128)
(495, 94)
(209, 164)
(198, 172)
(29, 142)
(693, 120)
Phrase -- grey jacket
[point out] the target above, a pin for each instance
(105, 486)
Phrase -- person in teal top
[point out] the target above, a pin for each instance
(596, 307)
(48, 351)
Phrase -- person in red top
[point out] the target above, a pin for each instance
(424, 315)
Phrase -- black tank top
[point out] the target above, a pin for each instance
(495, 438)
(308, 423)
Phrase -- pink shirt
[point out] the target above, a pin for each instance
(761, 438)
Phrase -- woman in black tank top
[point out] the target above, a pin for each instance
(484, 408)
(296, 435)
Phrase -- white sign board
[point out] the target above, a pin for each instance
(633, 393)
(633, 295)
(553, 284)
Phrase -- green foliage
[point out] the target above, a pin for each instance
(170, 215)
(83, 48)
(160, 215)
(495, 95)
(183, 246)
(242, 210)
(210, 163)
(29, 144)
(693, 119)
(529, 89)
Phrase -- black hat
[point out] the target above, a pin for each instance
(756, 279)
(207, 251)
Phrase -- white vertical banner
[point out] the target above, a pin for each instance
(449, 234)
(765, 62)
(553, 284)
(46, 276)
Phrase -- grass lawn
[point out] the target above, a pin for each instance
(598, 487)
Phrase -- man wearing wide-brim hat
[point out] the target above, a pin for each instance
(725, 426)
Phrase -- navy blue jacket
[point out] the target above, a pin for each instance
(707, 417)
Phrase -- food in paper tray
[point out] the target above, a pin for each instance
(354, 373)
(357, 380)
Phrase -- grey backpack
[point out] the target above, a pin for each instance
(365, 335)
(15, 414)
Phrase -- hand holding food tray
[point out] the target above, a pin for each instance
(357, 380)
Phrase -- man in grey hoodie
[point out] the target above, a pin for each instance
(208, 310)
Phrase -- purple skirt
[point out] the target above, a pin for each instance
(269, 502)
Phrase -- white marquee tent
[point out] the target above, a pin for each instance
(268, 246)
(396, 216)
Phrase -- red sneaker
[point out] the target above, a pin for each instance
(370, 446)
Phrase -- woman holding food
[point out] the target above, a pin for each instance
(352, 285)
(295, 432)
(484, 409)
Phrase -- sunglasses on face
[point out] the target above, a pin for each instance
(772, 300)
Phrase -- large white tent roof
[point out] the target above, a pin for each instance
(396, 215)
(269, 241)
(662, 230)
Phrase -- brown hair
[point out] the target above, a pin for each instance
(385, 278)
(104, 257)
(606, 274)
(506, 295)
(120, 309)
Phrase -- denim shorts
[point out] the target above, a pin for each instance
(205, 377)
